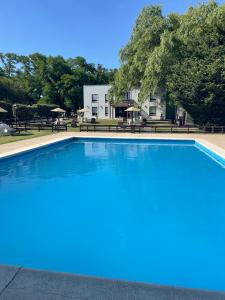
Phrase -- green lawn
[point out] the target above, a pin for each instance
(99, 122)
(107, 122)
(34, 133)
(23, 136)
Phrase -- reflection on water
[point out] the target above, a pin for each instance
(74, 158)
(77, 158)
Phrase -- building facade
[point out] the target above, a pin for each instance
(96, 103)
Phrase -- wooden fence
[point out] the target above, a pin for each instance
(24, 126)
(151, 129)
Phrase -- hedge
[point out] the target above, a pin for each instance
(44, 110)
(7, 106)
(23, 112)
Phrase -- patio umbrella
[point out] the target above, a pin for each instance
(82, 110)
(132, 109)
(58, 110)
(2, 110)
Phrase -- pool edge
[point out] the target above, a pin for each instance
(210, 149)
(30, 284)
(22, 150)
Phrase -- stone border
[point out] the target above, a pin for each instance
(17, 283)
(211, 147)
(14, 152)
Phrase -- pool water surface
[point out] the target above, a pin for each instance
(148, 211)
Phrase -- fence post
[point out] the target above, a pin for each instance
(132, 128)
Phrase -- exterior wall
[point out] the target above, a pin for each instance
(101, 105)
(145, 107)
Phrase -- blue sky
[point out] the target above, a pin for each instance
(95, 29)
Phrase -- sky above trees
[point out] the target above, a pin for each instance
(94, 29)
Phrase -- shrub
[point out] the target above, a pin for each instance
(44, 110)
(24, 112)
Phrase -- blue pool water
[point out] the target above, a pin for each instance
(148, 211)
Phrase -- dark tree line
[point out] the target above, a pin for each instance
(38, 79)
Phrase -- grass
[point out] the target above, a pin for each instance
(99, 122)
(107, 122)
(34, 133)
(23, 136)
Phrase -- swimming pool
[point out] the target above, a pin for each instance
(141, 210)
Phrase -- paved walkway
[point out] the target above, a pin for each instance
(214, 141)
(17, 283)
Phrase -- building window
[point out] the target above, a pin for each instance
(106, 111)
(94, 111)
(94, 98)
(106, 98)
(152, 110)
(152, 99)
(139, 96)
(127, 96)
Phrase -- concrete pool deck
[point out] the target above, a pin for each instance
(17, 283)
(21, 283)
(215, 142)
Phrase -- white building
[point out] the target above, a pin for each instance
(96, 103)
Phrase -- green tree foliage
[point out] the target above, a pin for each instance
(12, 91)
(44, 110)
(182, 54)
(53, 80)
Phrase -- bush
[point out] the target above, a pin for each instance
(44, 110)
(24, 112)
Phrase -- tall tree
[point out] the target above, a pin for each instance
(184, 55)
(48, 79)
